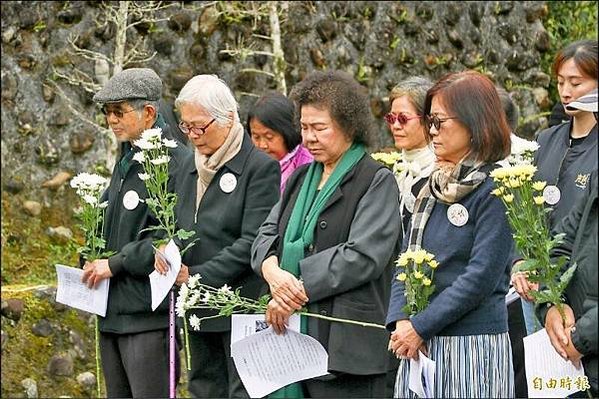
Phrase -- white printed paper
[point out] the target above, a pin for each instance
(511, 296)
(422, 376)
(244, 325)
(72, 292)
(266, 361)
(548, 375)
(161, 284)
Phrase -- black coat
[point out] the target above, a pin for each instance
(347, 269)
(566, 167)
(129, 299)
(580, 244)
(227, 223)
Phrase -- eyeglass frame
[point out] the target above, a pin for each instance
(396, 118)
(117, 113)
(434, 120)
(193, 129)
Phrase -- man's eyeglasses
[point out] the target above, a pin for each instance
(185, 128)
(434, 120)
(402, 118)
(116, 112)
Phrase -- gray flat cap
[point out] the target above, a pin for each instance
(129, 84)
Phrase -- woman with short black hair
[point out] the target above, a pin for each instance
(274, 129)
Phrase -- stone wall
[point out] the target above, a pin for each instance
(378, 42)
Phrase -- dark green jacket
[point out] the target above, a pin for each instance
(129, 299)
(580, 244)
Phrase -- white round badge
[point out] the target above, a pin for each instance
(228, 182)
(552, 195)
(130, 200)
(457, 215)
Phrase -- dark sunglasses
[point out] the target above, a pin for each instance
(119, 113)
(402, 118)
(185, 128)
(434, 120)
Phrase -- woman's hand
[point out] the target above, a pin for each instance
(558, 329)
(523, 287)
(183, 275)
(573, 355)
(287, 290)
(405, 341)
(277, 316)
(160, 262)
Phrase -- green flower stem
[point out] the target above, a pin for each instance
(348, 321)
(187, 351)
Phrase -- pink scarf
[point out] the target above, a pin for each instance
(293, 160)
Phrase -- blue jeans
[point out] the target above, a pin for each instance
(530, 319)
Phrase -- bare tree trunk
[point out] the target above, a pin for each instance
(121, 36)
(278, 55)
(119, 58)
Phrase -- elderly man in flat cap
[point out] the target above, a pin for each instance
(133, 339)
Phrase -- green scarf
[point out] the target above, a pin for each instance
(300, 229)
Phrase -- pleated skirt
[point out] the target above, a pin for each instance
(470, 366)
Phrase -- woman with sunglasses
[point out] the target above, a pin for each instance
(567, 153)
(225, 191)
(274, 129)
(330, 242)
(407, 126)
(464, 327)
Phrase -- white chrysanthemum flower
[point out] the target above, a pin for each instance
(152, 135)
(194, 322)
(193, 280)
(160, 160)
(139, 157)
(206, 297)
(225, 289)
(90, 199)
(143, 176)
(103, 205)
(88, 181)
(194, 299)
(145, 144)
(169, 143)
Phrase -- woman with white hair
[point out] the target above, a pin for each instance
(225, 191)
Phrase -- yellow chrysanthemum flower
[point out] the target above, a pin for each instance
(539, 200)
(428, 257)
(498, 192)
(402, 277)
(426, 281)
(508, 198)
(539, 185)
(418, 275)
(433, 264)
(402, 261)
(419, 256)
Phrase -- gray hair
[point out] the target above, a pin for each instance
(212, 94)
(139, 103)
(415, 89)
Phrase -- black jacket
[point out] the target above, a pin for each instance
(580, 244)
(129, 299)
(347, 270)
(227, 223)
(572, 179)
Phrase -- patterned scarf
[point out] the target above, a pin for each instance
(207, 166)
(414, 165)
(447, 187)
